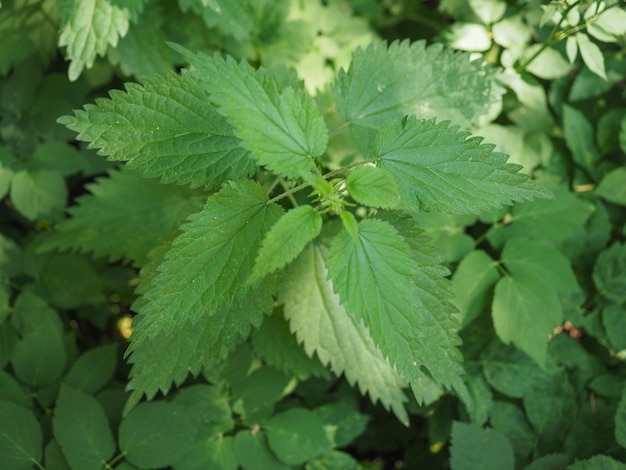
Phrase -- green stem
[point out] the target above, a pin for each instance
(338, 131)
(109, 465)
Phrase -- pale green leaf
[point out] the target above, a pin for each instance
(489, 11)
(548, 65)
(165, 128)
(93, 369)
(123, 217)
(210, 261)
(313, 309)
(82, 430)
(612, 20)
(467, 37)
(91, 27)
(591, 54)
(373, 187)
(20, 437)
(613, 186)
(296, 435)
(286, 240)
(580, 138)
(526, 306)
(385, 82)
(38, 194)
(511, 31)
(156, 434)
(375, 277)
(439, 168)
(281, 127)
(474, 447)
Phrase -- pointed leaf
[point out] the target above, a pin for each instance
(286, 239)
(313, 309)
(580, 138)
(82, 430)
(282, 128)
(613, 186)
(376, 280)
(591, 54)
(386, 82)
(20, 437)
(438, 168)
(166, 129)
(373, 187)
(210, 261)
(90, 28)
(93, 369)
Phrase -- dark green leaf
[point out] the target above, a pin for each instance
(613, 186)
(253, 452)
(580, 138)
(439, 168)
(93, 369)
(620, 421)
(209, 406)
(255, 397)
(38, 194)
(550, 462)
(82, 430)
(343, 422)
(474, 447)
(609, 273)
(509, 420)
(11, 391)
(20, 437)
(598, 462)
(210, 453)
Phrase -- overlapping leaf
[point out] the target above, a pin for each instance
(438, 168)
(376, 277)
(123, 217)
(210, 261)
(386, 82)
(166, 129)
(314, 310)
(280, 126)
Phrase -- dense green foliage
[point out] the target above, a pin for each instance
(348, 234)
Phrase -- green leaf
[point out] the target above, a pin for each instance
(548, 65)
(156, 434)
(91, 26)
(20, 437)
(210, 261)
(166, 129)
(614, 321)
(467, 36)
(580, 138)
(550, 462)
(333, 459)
(620, 421)
(296, 435)
(480, 392)
(286, 240)
(253, 452)
(386, 82)
(38, 194)
(93, 369)
(472, 282)
(343, 421)
(210, 408)
(613, 186)
(510, 420)
(11, 391)
(282, 128)
(123, 217)
(474, 447)
(82, 430)
(526, 305)
(373, 187)
(313, 309)
(255, 396)
(591, 54)
(598, 462)
(608, 273)
(376, 281)
(438, 168)
(210, 453)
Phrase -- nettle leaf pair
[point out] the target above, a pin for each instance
(339, 241)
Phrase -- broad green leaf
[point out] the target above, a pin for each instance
(11, 391)
(38, 194)
(123, 217)
(489, 11)
(57, 156)
(90, 28)
(614, 321)
(296, 435)
(526, 305)
(20, 437)
(286, 240)
(548, 65)
(255, 396)
(598, 462)
(253, 452)
(620, 421)
(612, 20)
(313, 309)
(448, 233)
(439, 168)
(333, 459)
(609, 273)
(385, 82)
(550, 462)
(508, 419)
(210, 261)
(551, 220)
(343, 421)
(232, 17)
(580, 138)
(373, 187)
(511, 31)
(156, 434)
(210, 407)
(282, 128)
(10, 257)
(93, 369)
(469, 37)
(275, 345)
(475, 447)
(613, 186)
(591, 54)
(376, 281)
(472, 282)
(480, 392)
(210, 453)
(82, 430)
(166, 129)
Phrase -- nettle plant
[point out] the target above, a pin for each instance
(309, 214)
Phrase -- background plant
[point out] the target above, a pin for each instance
(283, 200)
